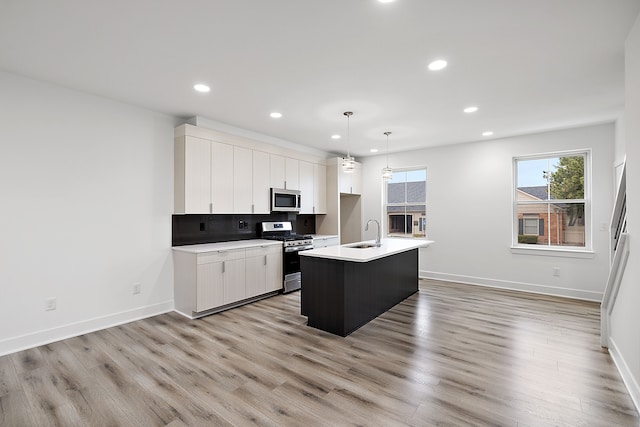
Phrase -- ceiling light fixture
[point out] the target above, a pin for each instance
(336, 136)
(275, 115)
(437, 65)
(201, 88)
(387, 172)
(487, 133)
(348, 163)
(386, 1)
(471, 109)
(373, 150)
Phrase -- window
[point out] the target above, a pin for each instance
(406, 203)
(551, 200)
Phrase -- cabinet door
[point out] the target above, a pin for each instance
(319, 189)
(350, 183)
(356, 180)
(291, 179)
(234, 285)
(197, 175)
(274, 278)
(261, 183)
(242, 180)
(256, 275)
(209, 291)
(306, 187)
(221, 176)
(277, 165)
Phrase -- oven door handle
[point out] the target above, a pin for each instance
(297, 248)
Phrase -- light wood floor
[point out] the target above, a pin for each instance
(449, 355)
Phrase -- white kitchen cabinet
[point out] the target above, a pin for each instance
(319, 188)
(307, 187)
(264, 270)
(291, 171)
(274, 272)
(221, 174)
(234, 280)
(210, 280)
(350, 183)
(242, 180)
(284, 172)
(261, 185)
(313, 188)
(192, 186)
(277, 173)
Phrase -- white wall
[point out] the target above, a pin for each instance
(624, 341)
(86, 196)
(469, 210)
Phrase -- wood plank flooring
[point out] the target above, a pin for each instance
(451, 354)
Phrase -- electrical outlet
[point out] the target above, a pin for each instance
(556, 271)
(50, 304)
(240, 225)
(136, 288)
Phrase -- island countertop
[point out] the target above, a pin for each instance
(388, 247)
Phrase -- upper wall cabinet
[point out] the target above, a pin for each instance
(313, 188)
(350, 183)
(192, 176)
(261, 184)
(284, 172)
(225, 174)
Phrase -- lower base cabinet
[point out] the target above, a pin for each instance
(205, 282)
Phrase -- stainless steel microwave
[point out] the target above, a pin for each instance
(283, 200)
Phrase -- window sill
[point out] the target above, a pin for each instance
(553, 252)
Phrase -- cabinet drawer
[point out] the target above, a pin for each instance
(263, 250)
(219, 256)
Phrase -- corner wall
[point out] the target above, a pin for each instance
(624, 344)
(469, 210)
(86, 195)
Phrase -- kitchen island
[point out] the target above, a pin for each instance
(345, 287)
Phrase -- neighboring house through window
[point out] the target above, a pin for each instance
(406, 203)
(552, 200)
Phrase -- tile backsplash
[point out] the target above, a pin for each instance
(213, 228)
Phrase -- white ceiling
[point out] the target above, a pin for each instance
(527, 65)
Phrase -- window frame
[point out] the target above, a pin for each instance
(384, 205)
(536, 249)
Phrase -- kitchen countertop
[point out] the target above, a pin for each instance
(225, 246)
(345, 253)
(324, 236)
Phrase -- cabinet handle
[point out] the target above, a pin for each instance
(210, 207)
(223, 266)
(253, 210)
(351, 190)
(285, 185)
(314, 209)
(265, 260)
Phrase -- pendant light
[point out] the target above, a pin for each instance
(387, 173)
(348, 163)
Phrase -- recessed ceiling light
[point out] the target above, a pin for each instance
(386, 1)
(335, 136)
(438, 64)
(275, 115)
(487, 133)
(374, 150)
(470, 109)
(201, 88)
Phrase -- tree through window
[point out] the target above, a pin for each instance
(551, 200)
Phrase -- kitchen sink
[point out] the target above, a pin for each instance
(363, 245)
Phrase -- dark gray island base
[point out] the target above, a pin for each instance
(340, 296)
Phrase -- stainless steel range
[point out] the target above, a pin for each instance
(292, 243)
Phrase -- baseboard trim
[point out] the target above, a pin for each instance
(514, 286)
(47, 336)
(625, 373)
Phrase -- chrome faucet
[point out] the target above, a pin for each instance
(366, 228)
